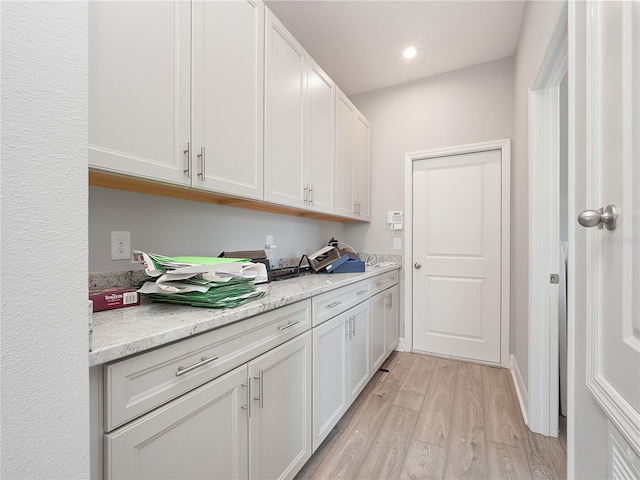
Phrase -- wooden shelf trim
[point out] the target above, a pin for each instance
(99, 178)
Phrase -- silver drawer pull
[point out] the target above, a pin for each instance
(361, 292)
(203, 361)
(379, 283)
(282, 328)
(334, 304)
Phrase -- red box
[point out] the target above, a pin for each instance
(115, 297)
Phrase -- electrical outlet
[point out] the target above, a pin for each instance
(120, 245)
(397, 244)
(269, 240)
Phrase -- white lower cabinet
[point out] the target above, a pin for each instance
(384, 326)
(358, 350)
(391, 327)
(340, 367)
(280, 416)
(330, 341)
(224, 430)
(202, 434)
(378, 344)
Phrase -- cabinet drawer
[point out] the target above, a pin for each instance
(384, 281)
(141, 383)
(330, 304)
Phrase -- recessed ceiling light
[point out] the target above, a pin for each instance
(409, 52)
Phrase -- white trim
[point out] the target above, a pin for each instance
(504, 146)
(543, 406)
(521, 389)
(401, 345)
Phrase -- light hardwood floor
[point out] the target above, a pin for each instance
(435, 418)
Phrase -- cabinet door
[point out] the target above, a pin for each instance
(344, 156)
(320, 139)
(139, 88)
(391, 320)
(202, 434)
(329, 376)
(361, 165)
(280, 428)
(227, 120)
(285, 90)
(378, 316)
(358, 349)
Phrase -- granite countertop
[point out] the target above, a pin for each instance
(126, 331)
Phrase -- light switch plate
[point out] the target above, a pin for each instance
(397, 244)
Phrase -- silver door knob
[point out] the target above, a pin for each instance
(592, 218)
(417, 265)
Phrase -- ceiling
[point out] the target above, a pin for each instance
(359, 43)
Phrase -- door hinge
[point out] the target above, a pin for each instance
(554, 278)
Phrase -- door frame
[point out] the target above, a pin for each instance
(544, 152)
(504, 145)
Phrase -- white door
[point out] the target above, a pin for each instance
(613, 178)
(139, 88)
(457, 255)
(202, 434)
(227, 136)
(280, 425)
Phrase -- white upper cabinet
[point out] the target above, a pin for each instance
(320, 139)
(227, 109)
(299, 125)
(139, 88)
(353, 158)
(285, 93)
(344, 156)
(361, 166)
(176, 92)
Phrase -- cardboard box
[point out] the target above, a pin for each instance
(115, 297)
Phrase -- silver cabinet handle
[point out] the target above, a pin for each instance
(352, 329)
(247, 406)
(417, 265)
(260, 379)
(311, 195)
(607, 216)
(390, 301)
(306, 194)
(334, 304)
(187, 152)
(355, 208)
(379, 283)
(347, 327)
(361, 292)
(282, 328)
(353, 322)
(201, 156)
(203, 361)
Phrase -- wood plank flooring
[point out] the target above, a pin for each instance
(435, 418)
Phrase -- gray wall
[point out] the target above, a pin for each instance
(537, 25)
(44, 331)
(181, 227)
(471, 105)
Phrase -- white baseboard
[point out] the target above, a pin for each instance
(400, 346)
(521, 389)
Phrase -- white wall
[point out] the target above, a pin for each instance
(537, 25)
(44, 336)
(181, 227)
(471, 105)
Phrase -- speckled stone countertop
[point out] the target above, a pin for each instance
(126, 331)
